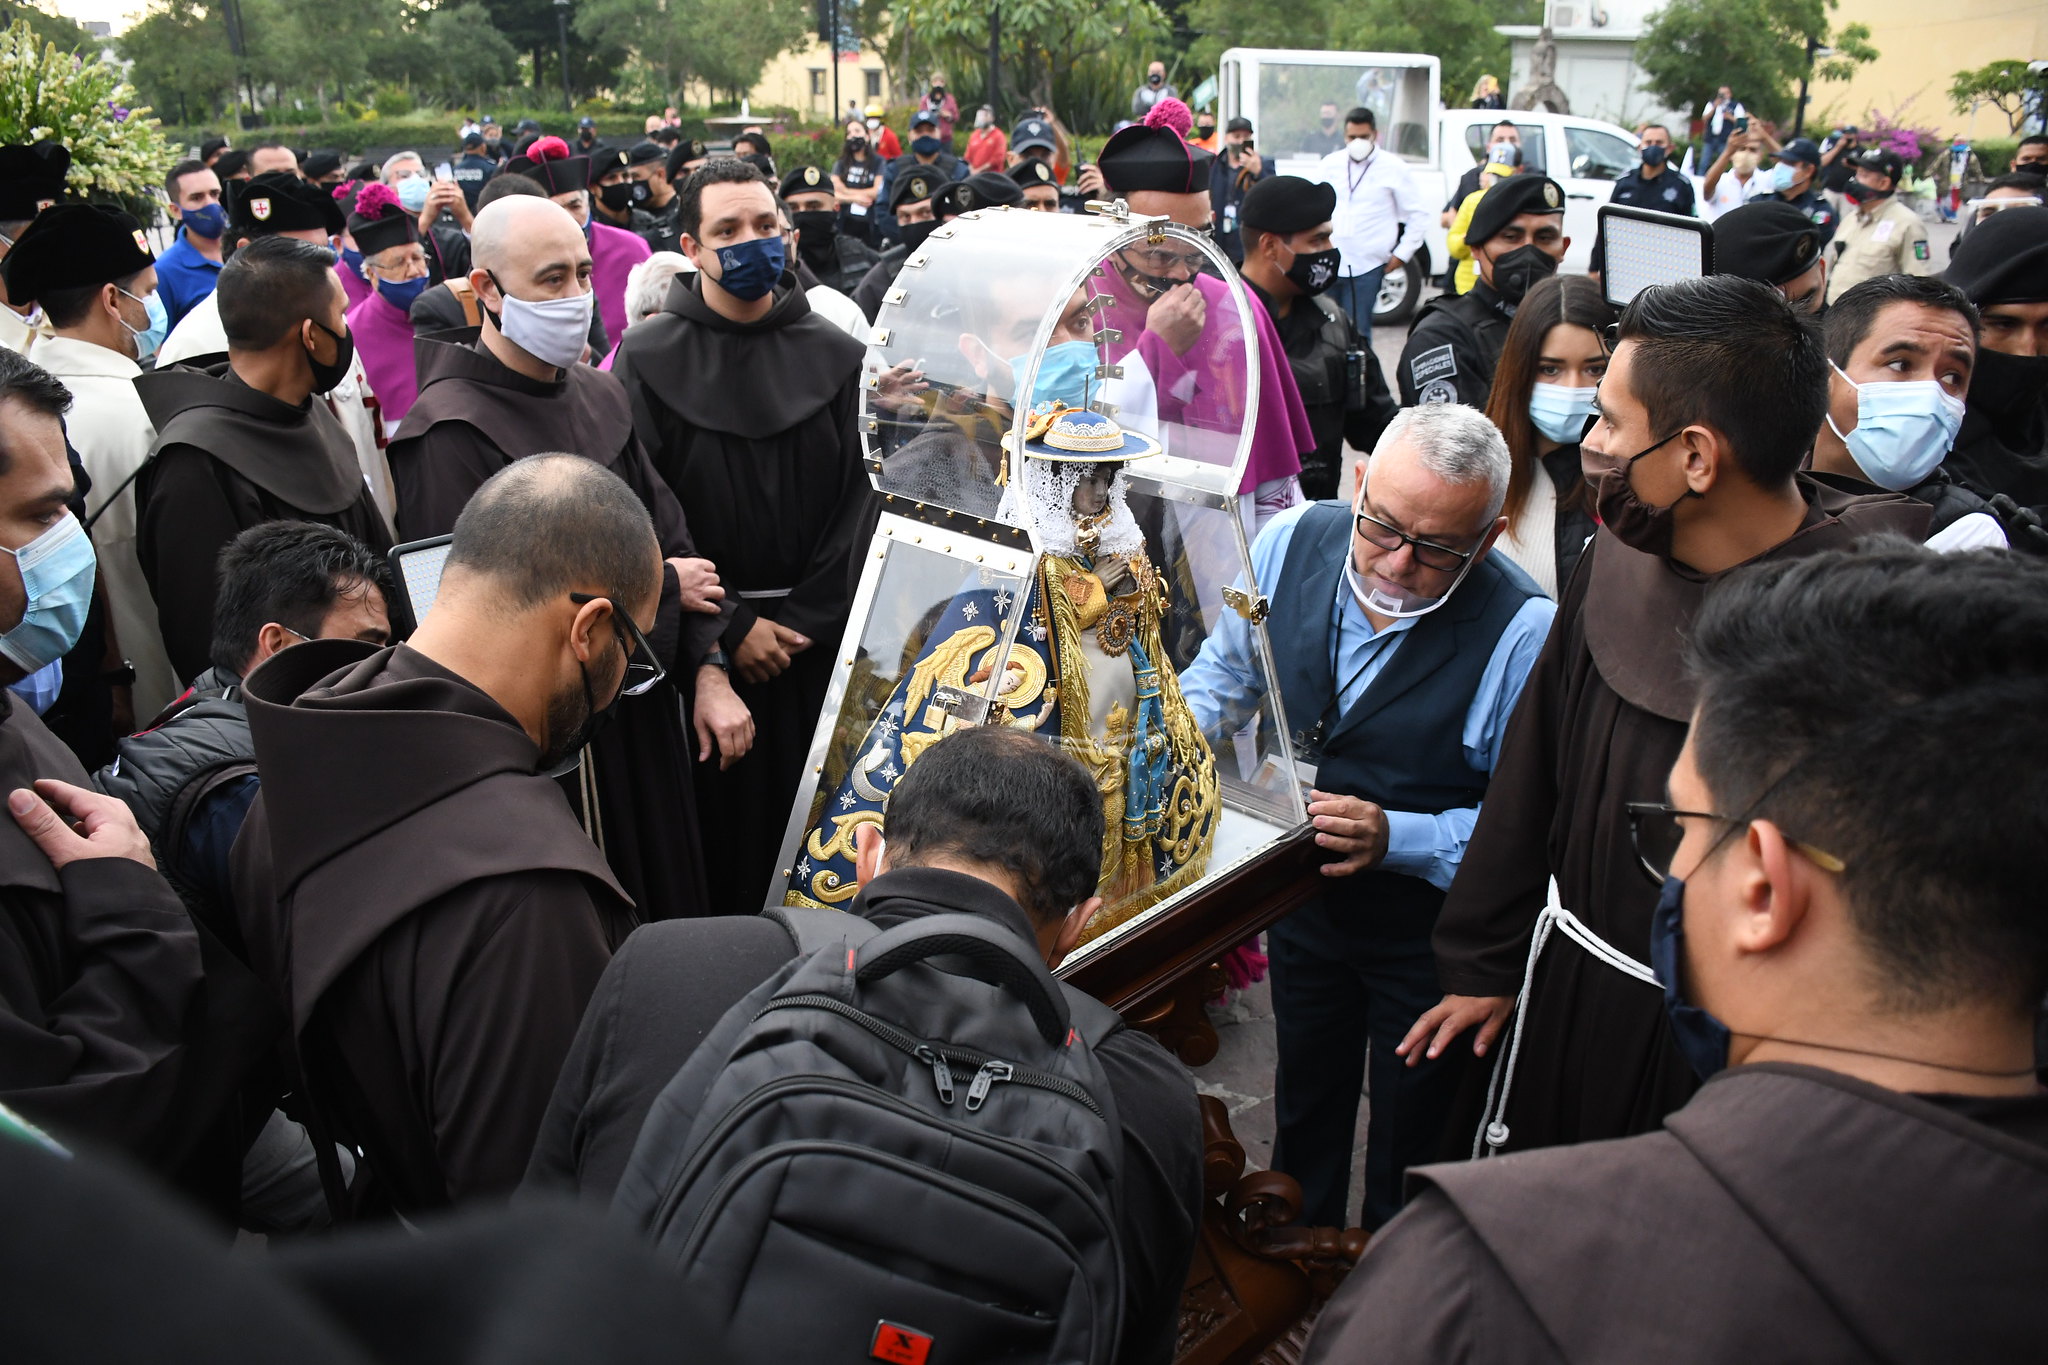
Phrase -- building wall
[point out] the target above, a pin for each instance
(1920, 49)
(802, 80)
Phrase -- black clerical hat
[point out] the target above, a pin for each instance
(985, 189)
(1288, 204)
(806, 180)
(318, 164)
(2003, 259)
(278, 201)
(1141, 158)
(1031, 171)
(919, 182)
(74, 246)
(31, 178)
(1508, 200)
(1769, 241)
(549, 164)
(379, 222)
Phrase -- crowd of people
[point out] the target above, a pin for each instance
(1667, 684)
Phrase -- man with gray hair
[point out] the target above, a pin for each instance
(1405, 649)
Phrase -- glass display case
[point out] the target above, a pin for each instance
(1057, 421)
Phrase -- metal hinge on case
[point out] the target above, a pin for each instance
(896, 295)
(1108, 336)
(1251, 606)
(1109, 372)
(966, 707)
(874, 425)
(879, 337)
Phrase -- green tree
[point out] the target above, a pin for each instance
(1459, 32)
(722, 43)
(1079, 57)
(1755, 47)
(471, 58)
(181, 61)
(50, 28)
(2006, 85)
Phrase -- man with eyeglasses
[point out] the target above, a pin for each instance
(410, 878)
(1848, 946)
(1705, 416)
(1402, 653)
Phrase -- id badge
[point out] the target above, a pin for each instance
(858, 210)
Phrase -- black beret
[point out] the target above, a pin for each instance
(386, 225)
(640, 153)
(74, 246)
(211, 145)
(1031, 171)
(31, 178)
(230, 164)
(1768, 241)
(317, 164)
(278, 201)
(1288, 204)
(605, 161)
(688, 150)
(1141, 158)
(806, 180)
(919, 182)
(2003, 259)
(985, 189)
(1508, 200)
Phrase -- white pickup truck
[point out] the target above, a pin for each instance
(1282, 92)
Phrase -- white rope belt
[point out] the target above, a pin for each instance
(1493, 1128)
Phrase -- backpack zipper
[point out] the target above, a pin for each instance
(987, 1070)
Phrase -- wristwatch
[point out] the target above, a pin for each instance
(716, 658)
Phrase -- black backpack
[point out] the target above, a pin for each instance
(900, 1147)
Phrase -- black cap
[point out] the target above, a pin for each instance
(378, 221)
(1031, 171)
(923, 116)
(74, 246)
(1769, 241)
(316, 164)
(985, 189)
(1288, 204)
(1141, 158)
(1240, 124)
(806, 180)
(1033, 132)
(278, 201)
(488, 122)
(31, 178)
(470, 140)
(688, 150)
(919, 182)
(586, 122)
(642, 153)
(2003, 259)
(527, 125)
(1802, 149)
(1508, 200)
(1882, 160)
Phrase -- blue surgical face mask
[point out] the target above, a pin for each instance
(400, 293)
(149, 338)
(748, 270)
(57, 571)
(925, 146)
(209, 222)
(1902, 430)
(412, 192)
(1560, 412)
(1065, 373)
(1702, 1039)
(353, 261)
(1784, 176)
(41, 688)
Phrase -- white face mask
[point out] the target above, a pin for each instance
(552, 331)
(1359, 148)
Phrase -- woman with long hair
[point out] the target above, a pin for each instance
(856, 179)
(1550, 364)
(1486, 94)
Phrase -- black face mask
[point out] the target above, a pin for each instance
(1205, 130)
(1864, 194)
(915, 233)
(560, 755)
(2004, 386)
(816, 229)
(1155, 79)
(327, 376)
(1314, 271)
(642, 191)
(854, 146)
(616, 198)
(1521, 270)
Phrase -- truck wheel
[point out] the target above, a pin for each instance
(1400, 293)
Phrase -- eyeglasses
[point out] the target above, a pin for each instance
(643, 669)
(1428, 553)
(1656, 832)
(1158, 260)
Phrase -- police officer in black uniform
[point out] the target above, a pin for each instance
(473, 168)
(1289, 260)
(611, 193)
(655, 195)
(910, 195)
(1775, 243)
(1040, 185)
(1800, 182)
(1655, 184)
(1517, 239)
(839, 261)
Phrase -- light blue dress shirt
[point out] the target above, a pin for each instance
(1224, 687)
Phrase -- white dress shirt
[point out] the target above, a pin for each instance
(1380, 211)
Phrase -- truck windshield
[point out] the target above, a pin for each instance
(1301, 108)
